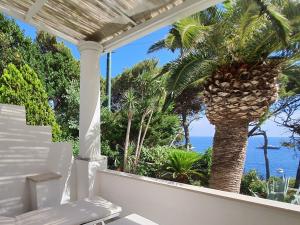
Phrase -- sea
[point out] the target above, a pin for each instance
(283, 161)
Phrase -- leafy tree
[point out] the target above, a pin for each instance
(248, 44)
(15, 47)
(60, 73)
(288, 119)
(53, 63)
(149, 98)
(188, 106)
(23, 87)
(164, 127)
(150, 93)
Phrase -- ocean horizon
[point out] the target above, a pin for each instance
(285, 159)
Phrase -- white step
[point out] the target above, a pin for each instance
(12, 114)
(25, 133)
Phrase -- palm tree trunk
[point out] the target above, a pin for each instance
(267, 164)
(127, 141)
(140, 134)
(297, 183)
(143, 138)
(185, 126)
(229, 152)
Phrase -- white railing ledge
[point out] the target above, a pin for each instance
(207, 191)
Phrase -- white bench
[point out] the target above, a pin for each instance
(85, 211)
(133, 219)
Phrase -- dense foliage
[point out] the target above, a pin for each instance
(23, 87)
(60, 73)
(137, 120)
(54, 66)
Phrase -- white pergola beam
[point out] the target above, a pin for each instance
(34, 9)
(181, 11)
(39, 26)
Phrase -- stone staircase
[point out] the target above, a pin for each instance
(26, 151)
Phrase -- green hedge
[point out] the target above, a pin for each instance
(23, 87)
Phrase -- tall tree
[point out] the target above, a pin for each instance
(149, 125)
(248, 44)
(129, 105)
(288, 119)
(188, 106)
(15, 47)
(52, 62)
(60, 72)
(265, 148)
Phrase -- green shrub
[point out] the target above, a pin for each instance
(152, 161)
(252, 183)
(114, 158)
(203, 166)
(23, 87)
(179, 166)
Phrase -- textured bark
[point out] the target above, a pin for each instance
(265, 147)
(229, 151)
(185, 126)
(297, 183)
(235, 95)
(240, 92)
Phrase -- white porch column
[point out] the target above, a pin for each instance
(90, 159)
(89, 116)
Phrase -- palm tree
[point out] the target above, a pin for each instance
(184, 36)
(152, 93)
(129, 104)
(247, 46)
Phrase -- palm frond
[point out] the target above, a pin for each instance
(279, 21)
(157, 46)
(186, 71)
(248, 21)
(191, 32)
(172, 41)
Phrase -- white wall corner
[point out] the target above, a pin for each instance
(86, 170)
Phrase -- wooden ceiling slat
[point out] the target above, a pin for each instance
(91, 19)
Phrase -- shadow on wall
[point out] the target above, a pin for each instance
(93, 142)
(26, 151)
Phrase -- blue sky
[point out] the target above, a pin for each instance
(130, 54)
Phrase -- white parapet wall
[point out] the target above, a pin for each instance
(25, 151)
(170, 203)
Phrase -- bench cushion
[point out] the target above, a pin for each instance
(7, 220)
(133, 219)
(73, 213)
